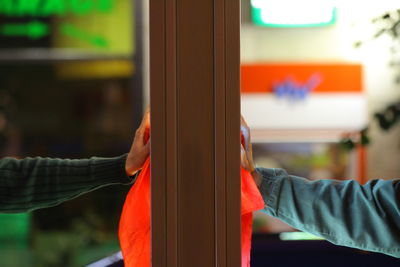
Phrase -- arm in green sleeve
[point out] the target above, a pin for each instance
(33, 183)
(343, 212)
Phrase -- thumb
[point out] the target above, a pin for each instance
(243, 158)
(148, 145)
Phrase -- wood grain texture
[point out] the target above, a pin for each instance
(195, 132)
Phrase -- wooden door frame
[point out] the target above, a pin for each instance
(195, 124)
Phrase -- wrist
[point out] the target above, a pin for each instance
(256, 177)
(250, 166)
(130, 168)
(131, 171)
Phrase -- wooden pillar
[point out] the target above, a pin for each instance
(195, 122)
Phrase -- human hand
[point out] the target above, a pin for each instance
(140, 149)
(246, 152)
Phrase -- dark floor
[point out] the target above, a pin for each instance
(269, 251)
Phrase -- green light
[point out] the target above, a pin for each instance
(6, 7)
(46, 8)
(81, 7)
(74, 32)
(293, 236)
(53, 7)
(36, 30)
(28, 7)
(105, 5)
(33, 30)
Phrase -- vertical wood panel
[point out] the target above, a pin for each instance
(195, 133)
(172, 136)
(193, 129)
(158, 106)
(220, 133)
(232, 141)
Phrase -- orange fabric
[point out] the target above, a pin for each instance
(134, 227)
(251, 200)
(134, 224)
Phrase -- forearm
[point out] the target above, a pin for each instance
(345, 213)
(32, 183)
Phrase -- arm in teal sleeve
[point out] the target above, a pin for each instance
(343, 212)
(33, 183)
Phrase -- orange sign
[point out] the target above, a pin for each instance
(333, 78)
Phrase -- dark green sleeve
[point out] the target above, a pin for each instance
(343, 212)
(33, 183)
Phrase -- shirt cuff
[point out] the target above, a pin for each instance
(112, 169)
(270, 188)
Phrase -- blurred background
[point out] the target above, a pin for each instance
(320, 90)
(70, 87)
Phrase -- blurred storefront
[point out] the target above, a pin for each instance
(306, 87)
(69, 89)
